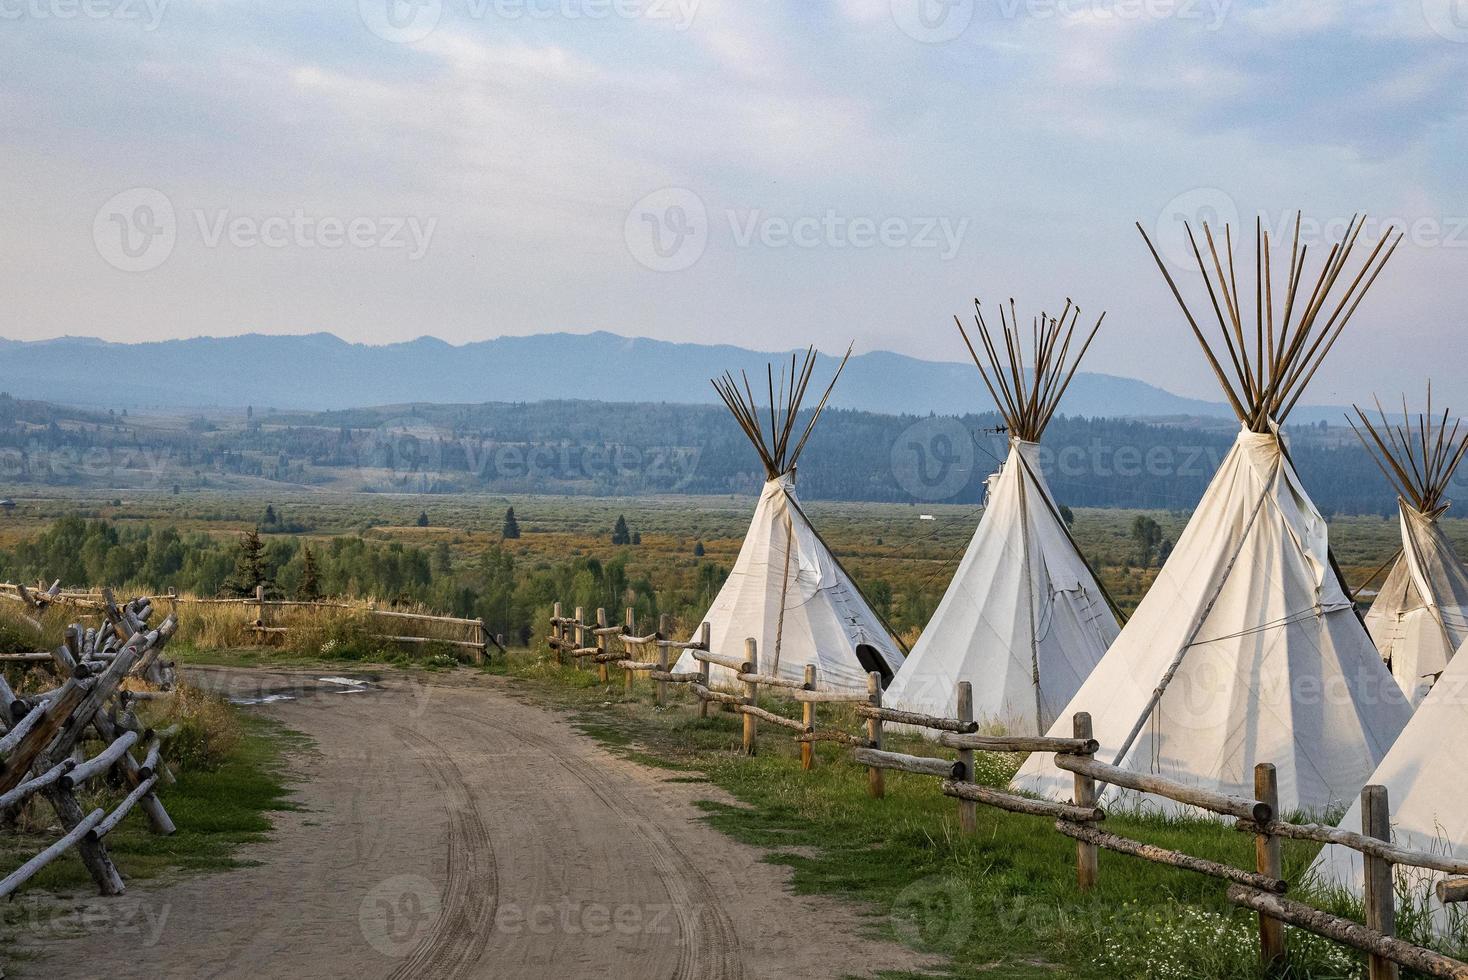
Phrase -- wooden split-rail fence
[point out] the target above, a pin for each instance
(474, 635)
(43, 739)
(1261, 889)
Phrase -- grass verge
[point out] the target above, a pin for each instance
(217, 810)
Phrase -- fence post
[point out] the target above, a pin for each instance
(1087, 860)
(665, 630)
(968, 817)
(1381, 900)
(808, 718)
(703, 668)
(631, 623)
(602, 674)
(483, 650)
(579, 628)
(1269, 862)
(560, 634)
(876, 784)
(260, 605)
(751, 693)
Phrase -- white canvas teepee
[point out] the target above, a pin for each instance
(1420, 618)
(787, 590)
(1247, 648)
(1426, 779)
(1024, 619)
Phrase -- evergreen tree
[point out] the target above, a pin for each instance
(512, 527)
(270, 514)
(249, 570)
(310, 587)
(423, 519)
(1147, 536)
(637, 537)
(620, 534)
(698, 549)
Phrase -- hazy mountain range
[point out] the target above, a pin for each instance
(321, 372)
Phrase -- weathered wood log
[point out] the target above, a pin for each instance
(1086, 795)
(1019, 743)
(1357, 842)
(19, 730)
(629, 677)
(633, 641)
(660, 690)
(99, 763)
(917, 764)
(917, 720)
(719, 659)
(125, 807)
(1379, 897)
(601, 633)
(1000, 800)
(26, 658)
(704, 634)
(634, 665)
(755, 711)
(34, 785)
(1175, 859)
(1269, 861)
(91, 850)
(56, 713)
(717, 697)
(151, 759)
(808, 719)
(968, 815)
(1233, 806)
(876, 781)
(1452, 890)
(674, 676)
(158, 818)
(28, 870)
(829, 697)
(772, 681)
(750, 668)
(1349, 933)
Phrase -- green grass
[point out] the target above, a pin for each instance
(1001, 902)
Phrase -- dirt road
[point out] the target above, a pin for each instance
(451, 831)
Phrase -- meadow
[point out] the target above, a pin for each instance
(1000, 902)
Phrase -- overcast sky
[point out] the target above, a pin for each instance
(756, 172)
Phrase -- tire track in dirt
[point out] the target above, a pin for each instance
(711, 947)
(465, 921)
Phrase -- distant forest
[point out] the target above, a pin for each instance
(609, 449)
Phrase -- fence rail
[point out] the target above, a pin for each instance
(475, 633)
(42, 752)
(1261, 888)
